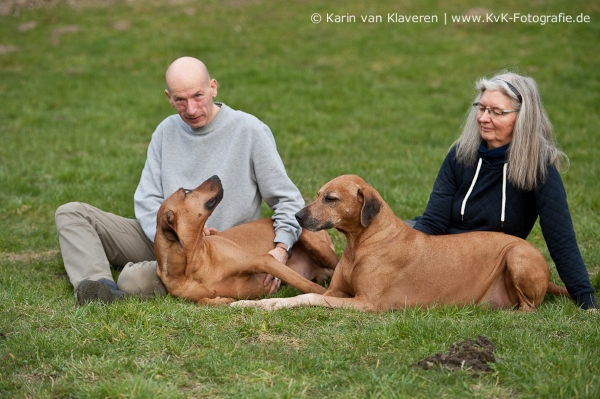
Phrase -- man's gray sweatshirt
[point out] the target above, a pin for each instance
(235, 146)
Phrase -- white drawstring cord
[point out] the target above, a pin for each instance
(464, 203)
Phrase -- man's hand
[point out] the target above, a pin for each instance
(281, 256)
(208, 231)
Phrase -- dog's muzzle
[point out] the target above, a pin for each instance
(309, 223)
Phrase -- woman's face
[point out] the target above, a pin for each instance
(496, 130)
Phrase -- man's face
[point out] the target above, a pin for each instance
(193, 101)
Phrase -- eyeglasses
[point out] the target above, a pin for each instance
(494, 112)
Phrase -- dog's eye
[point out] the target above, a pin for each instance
(211, 204)
(330, 198)
(186, 191)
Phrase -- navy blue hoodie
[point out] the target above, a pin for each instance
(483, 210)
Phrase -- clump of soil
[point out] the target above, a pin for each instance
(465, 355)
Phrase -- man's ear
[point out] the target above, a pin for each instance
(167, 225)
(169, 97)
(371, 206)
(214, 87)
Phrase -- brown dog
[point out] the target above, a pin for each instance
(388, 265)
(229, 265)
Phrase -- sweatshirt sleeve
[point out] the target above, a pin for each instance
(559, 234)
(149, 194)
(276, 188)
(436, 219)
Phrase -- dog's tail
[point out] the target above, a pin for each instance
(557, 290)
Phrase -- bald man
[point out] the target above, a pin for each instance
(205, 138)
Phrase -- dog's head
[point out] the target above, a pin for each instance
(184, 213)
(346, 203)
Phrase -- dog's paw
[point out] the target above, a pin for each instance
(265, 304)
(243, 304)
(220, 300)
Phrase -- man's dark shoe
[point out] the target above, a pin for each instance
(102, 290)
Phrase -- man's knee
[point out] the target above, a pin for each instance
(68, 212)
(141, 279)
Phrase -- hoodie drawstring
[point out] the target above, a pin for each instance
(464, 203)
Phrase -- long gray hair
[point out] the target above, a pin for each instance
(532, 147)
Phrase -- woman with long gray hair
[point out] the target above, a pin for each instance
(503, 172)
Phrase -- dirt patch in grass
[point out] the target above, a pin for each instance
(28, 256)
(465, 355)
(5, 49)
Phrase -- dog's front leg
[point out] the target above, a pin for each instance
(268, 264)
(305, 300)
(319, 247)
(280, 303)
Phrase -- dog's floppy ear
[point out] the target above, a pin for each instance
(167, 222)
(371, 206)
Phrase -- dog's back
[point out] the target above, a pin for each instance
(255, 236)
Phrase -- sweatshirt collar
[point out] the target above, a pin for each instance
(495, 156)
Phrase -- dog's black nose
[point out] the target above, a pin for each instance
(300, 215)
(215, 177)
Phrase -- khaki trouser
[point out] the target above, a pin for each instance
(92, 240)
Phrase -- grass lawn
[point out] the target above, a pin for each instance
(81, 92)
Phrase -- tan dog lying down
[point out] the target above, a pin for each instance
(388, 265)
(231, 264)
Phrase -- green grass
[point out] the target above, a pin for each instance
(383, 101)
